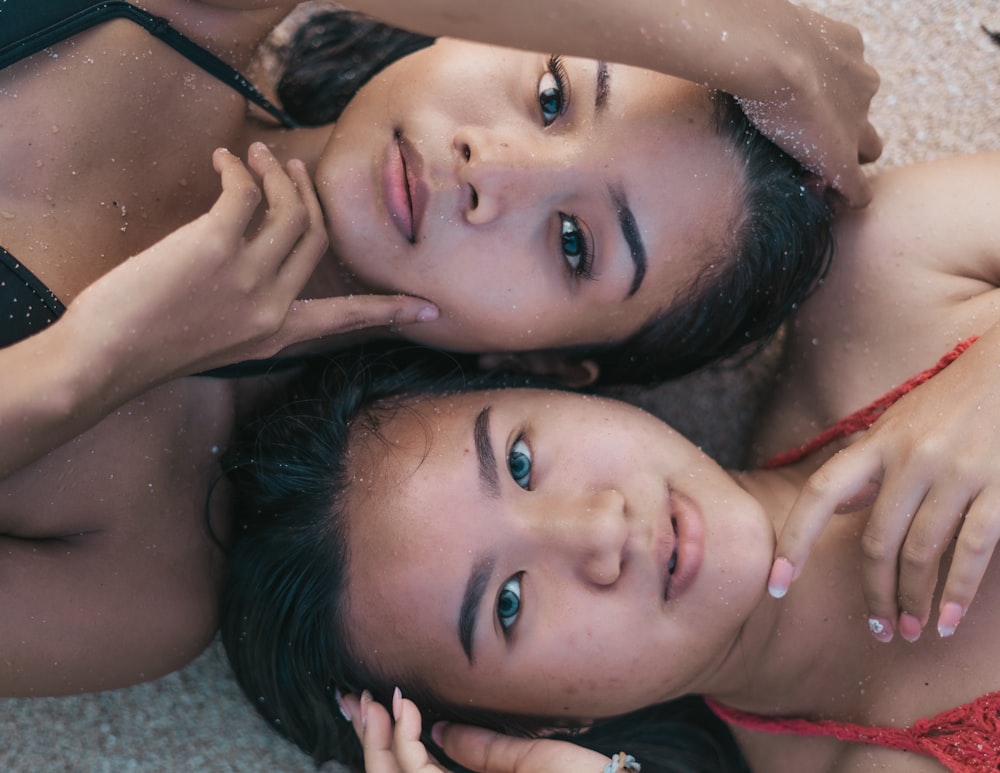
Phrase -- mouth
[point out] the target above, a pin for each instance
(404, 190)
(687, 549)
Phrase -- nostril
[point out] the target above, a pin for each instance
(473, 197)
(466, 152)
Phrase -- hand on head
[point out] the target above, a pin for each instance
(816, 108)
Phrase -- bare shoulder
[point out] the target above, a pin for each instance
(938, 215)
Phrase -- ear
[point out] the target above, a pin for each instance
(561, 368)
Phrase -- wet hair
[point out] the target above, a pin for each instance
(333, 55)
(284, 609)
(768, 262)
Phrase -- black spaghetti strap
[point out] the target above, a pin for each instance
(18, 40)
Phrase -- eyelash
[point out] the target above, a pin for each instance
(560, 92)
(507, 624)
(584, 254)
(526, 454)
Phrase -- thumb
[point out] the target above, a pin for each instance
(330, 316)
(490, 752)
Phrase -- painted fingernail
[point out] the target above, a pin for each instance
(951, 615)
(781, 576)
(909, 627)
(344, 711)
(881, 629)
(397, 704)
(428, 314)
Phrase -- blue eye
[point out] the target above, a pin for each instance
(519, 463)
(575, 246)
(552, 98)
(509, 603)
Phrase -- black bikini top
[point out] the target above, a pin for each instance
(29, 26)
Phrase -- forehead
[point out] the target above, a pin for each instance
(413, 511)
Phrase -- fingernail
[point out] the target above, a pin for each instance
(397, 704)
(427, 314)
(881, 629)
(344, 711)
(951, 615)
(781, 576)
(437, 732)
(366, 698)
(909, 627)
(298, 164)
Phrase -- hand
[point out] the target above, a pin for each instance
(222, 289)
(932, 464)
(814, 101)
(398, 749)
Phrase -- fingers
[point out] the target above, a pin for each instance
(844, 477)
(308, 320)
(374, 727)
(490, 752)
(930, 535)
(388, 747)
(853, 186)
(870, 145)
(977, 540)
(480, 749)
(240, 193)
(410, 751)
(311, 246)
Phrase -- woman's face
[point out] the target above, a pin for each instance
(539, 202)
(547, 553)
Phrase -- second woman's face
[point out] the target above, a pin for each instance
(547, 553)
(538, 201)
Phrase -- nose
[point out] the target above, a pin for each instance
(588, 531)
(501, 171)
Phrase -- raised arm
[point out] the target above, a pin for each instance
(801, 76)
(220, 290)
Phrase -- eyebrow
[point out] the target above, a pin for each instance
(484, 453)
(603, 90)
(626, 220)
(472, 600)
(636, 249)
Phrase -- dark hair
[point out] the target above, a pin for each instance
(283, 610)
(331, 56)
(771, 261)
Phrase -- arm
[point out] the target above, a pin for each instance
(801, 76)
(212, 293)
(926, 276)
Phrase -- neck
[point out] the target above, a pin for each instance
(792, 652)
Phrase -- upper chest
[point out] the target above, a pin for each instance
(107, 141)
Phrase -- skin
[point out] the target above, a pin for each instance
(509, 158)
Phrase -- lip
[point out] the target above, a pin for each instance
(687, 544)
(403, 187)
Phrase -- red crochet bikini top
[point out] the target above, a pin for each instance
(965, 739)
(864, 417)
